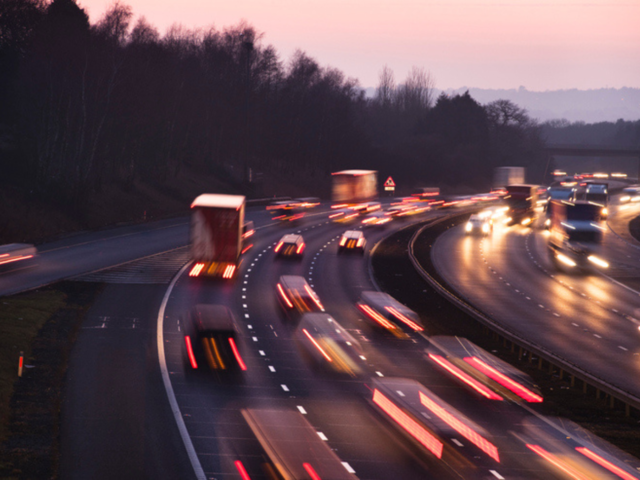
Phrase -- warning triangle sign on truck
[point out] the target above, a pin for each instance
(389, 182)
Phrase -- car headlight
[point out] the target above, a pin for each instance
(485, 227)
(605, 211)
(468, 227)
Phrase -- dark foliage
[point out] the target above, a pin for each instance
(88, 107)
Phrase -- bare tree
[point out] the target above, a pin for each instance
(417, 92)
(386, 90)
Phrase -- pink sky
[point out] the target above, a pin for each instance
(539, 44)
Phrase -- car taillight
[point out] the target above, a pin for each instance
(343, 240)
(284, 296)
(278, 247)
(360, 240)
(300, 248)
(192, 357)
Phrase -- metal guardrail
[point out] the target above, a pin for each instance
(627, 398)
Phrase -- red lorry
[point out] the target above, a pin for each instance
(216, 234)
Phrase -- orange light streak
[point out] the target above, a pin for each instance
(604, 463)
(412, 427)
(455, 371)
(376, 316)
(404, 319)
(246, 249)
(317, 345)
(464, 430)
(300, 249)
(236, 353)
(503, 380)
(343, 240)
(555, 461)
(192, 358)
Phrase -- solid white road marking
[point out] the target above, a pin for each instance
(173, 403)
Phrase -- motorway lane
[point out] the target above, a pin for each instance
(87, 252)
(278, 376)
(112, 424)
(509, 276)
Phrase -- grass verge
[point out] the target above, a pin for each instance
(43, 324)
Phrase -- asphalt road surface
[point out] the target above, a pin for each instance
(590, 320)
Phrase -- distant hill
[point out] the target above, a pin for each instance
(590, 106)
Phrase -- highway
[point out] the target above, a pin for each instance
(590, 320)
(134, 409)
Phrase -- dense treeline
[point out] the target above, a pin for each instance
(621, 133)
(84, 107)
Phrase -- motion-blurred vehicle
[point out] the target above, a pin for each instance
(576, 233)
(296, 297)
(293, 447)
(286, 212)
(522, 201)
(598, 194)
(216, 235)
(352, 241)
(307, 202)
(630, 194)
(388, 314)
(13, 253)
(429, 423)
(480, 371)
(376, 219)
(329, 345)
(344, 215)
(211, 333)
(479, 224)
(352, 187)
(291, 245)
(503, 176)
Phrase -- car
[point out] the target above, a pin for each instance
(328, 345)
(344, 215)
(296, 297)
(211, 333)
(479, 224)
(291, 245)
(352, 240)
(388, 314)
(376, 219)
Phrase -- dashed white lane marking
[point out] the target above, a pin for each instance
(244, 305)
(400, 393)
(348, 467)
(496, 474)
(379, 374)
(302, 410)
(528, 298)
(272, 368)
(575, 324)
(556, 314)
(540, 305)
(284, 387)
(250, 327)
(596, 335)
(322, 436)
(261, 352)
(457, 442)
(255, 339)
(622, 348)
(246, 315)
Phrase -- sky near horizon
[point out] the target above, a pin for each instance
(538, 44)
